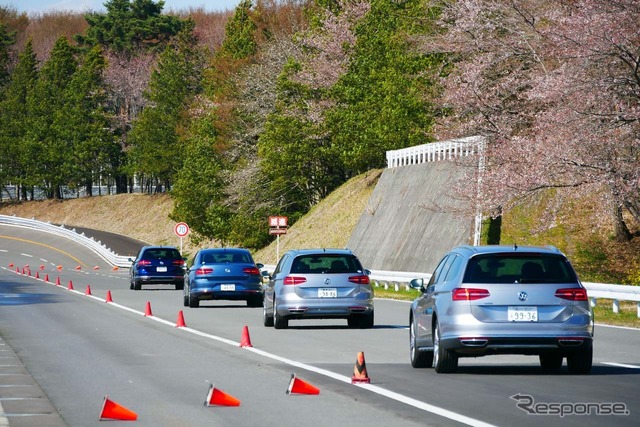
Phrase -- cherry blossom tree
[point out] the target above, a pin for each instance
(555, 86)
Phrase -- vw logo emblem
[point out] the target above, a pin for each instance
(327, 281)
(227, 270)
(522, 296)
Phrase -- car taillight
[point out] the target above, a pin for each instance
(361, 280)
(178, 262)
(204, 270)
(144, 262)
(294, 280)
(251, 270)
(572, 294)
(469, 294)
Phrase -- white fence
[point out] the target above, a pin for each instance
(436, 151)
(101, 250)
(395, 280)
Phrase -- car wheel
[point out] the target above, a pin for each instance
(137, 286)
(444, 361)
(179, 286)
(185, 300)
(193, 301)
(365, 321)
(266, 319)
(580, 362)
(131, 285)
(550, 362)
(419, 359)
(279, 322)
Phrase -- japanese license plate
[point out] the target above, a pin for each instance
(161, 269)
(228, 287)
(522, 314)
(327, 293)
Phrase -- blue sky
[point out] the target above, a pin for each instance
(39, 6)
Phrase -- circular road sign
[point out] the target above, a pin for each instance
(181, 229)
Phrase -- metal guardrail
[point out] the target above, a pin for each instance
(96, 246)
(395, 280)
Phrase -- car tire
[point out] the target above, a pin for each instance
(550, 362)
(179, 286)
(137, 286)
(193, 301)
(131, 285)
(279, 322)
(185, 300)
(266, 319)
(444, 361)
(580, 362)
(419, 359)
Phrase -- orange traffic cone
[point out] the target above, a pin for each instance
(96, 268)
(46, 278)
(115, 268)
(41, 267)
(70, 287)
(220, 398)
(109, 299)
(147, 310)
(37, 275)
(180, 322)
(246, 340)
(88, 291)
(296, 385)
(78, 267)
(11, 265)
(58, 281)
(360, 370)
(113, 411)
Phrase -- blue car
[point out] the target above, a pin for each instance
(223, 274)
(156, 265)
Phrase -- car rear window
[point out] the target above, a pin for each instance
(161, 254)
(314, 264)
(520, 268)
(225, 257)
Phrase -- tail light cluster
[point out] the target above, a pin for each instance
(144, 262)
(251, 270)
(469, 294)
(572, 294)
(360, 280)
(294, 280)
(178, 262)
(202, 271)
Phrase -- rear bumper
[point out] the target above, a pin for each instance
(170, 280)
(209, 294)
(323, 310)
(481, 345)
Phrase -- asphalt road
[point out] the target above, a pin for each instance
(79, 348)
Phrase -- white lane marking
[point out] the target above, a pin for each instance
(27, 255)
(373, 388)
(628, 328)
(621, 365)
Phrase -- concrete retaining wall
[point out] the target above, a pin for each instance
(411, 219)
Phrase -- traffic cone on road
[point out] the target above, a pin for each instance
(113, 411)
(58, 281)
(296, 385)
(180, 322)
(46, 278)
(220, 398)
(246, 340)
(37, 276)
(360, 370)
(88, 291)
(70, 287)
(109, 299)
(147, 310)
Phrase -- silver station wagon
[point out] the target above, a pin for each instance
(484, 300)
(318, 284)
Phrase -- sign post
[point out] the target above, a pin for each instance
(181, 229)
(278, 225)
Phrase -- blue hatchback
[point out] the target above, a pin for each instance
(223, 274)
(157, 265)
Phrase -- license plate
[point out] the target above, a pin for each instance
(161, 269)
(327, 293)
(522, 314)
(228, 287)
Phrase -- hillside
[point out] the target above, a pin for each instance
(329, 224)
(146, 217)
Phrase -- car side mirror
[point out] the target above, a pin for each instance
(130, 260)
(417, 284)
(259, 265)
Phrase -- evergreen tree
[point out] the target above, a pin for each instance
(7, 39)
(240, 33)
(86, 123)
(48, 149)
(154, 139)
(14, 119)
